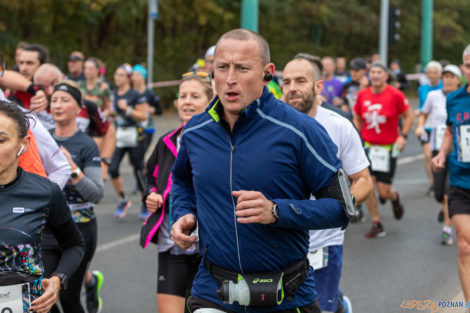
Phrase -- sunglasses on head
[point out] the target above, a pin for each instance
(200, 74)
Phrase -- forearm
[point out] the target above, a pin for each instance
(422, 119)
(139, 115)
(446, 146)
(90, 187)
(407, 123)
(361, 188)
(14, 80)
(310, 214)
(73, 247)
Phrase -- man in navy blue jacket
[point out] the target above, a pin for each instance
(245, 171)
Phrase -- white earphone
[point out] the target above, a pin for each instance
(21, 150)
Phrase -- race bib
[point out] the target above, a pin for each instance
(126, 137)
(318, 259)
(439, 132)
(11, 298)
(464, 144)
(379, 159)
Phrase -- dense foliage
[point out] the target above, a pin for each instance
(115, 30)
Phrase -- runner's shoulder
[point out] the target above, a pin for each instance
(455, 95)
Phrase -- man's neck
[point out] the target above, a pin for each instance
(378, 89)
(313, 110)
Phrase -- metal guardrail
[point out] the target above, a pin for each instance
(172, 83)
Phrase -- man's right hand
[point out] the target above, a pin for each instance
(181, 230)
(39, 101)
(153, 202)
(438, 163)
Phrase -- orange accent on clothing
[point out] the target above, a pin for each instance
(30, 161)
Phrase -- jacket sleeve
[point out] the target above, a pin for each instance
(183, 197)
(317, 164)
(56, 165)
(151, 173)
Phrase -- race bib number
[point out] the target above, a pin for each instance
(379, 159)
(126, 137)
(439, 136)
(318, 259)
(11, 298)
(464, 143)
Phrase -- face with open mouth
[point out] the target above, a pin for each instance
(192, 99)
(238, 74)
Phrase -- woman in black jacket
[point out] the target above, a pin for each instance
(28, 204)
(176, 267)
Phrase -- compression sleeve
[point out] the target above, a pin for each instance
(66, 232)
(91, 186)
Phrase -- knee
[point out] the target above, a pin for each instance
(463, 245)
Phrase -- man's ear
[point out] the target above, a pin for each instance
(268, 69)
(318, 87)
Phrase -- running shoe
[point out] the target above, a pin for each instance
(430, 191)
(143, 212)
(446, 239)
(94, 303)
(347, 304)
(398, 209)
(122, 207)
(376, 231)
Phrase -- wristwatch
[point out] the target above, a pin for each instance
(75, 173)
(275, 211)
(404, 136)
(64, 280)
(106, 161)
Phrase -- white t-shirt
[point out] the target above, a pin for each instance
(353, 159)
(435, 107)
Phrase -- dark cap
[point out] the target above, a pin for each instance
(358, 64)
(76, 56)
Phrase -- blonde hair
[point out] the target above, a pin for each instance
(204, 80)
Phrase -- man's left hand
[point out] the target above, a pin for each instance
(253, 207)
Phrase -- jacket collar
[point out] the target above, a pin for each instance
(170, 140)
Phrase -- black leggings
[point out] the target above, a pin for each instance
(136, 156)
(70, 298)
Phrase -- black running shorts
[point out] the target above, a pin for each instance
(176, 273)
(459, 201)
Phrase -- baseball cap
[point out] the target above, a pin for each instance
(76, 56)
(454, 69)
(358, 64)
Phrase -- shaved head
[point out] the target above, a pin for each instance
(245, 35)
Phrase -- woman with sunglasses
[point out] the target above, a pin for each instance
(29, 203)
(83, 190)
(176, 267)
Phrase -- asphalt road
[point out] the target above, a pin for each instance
(378, 274)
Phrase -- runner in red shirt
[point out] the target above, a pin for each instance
(378, 110)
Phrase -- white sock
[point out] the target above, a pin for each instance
(447, 229)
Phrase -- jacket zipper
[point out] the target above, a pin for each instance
(232, 150)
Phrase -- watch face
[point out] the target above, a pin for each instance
(74, 175)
